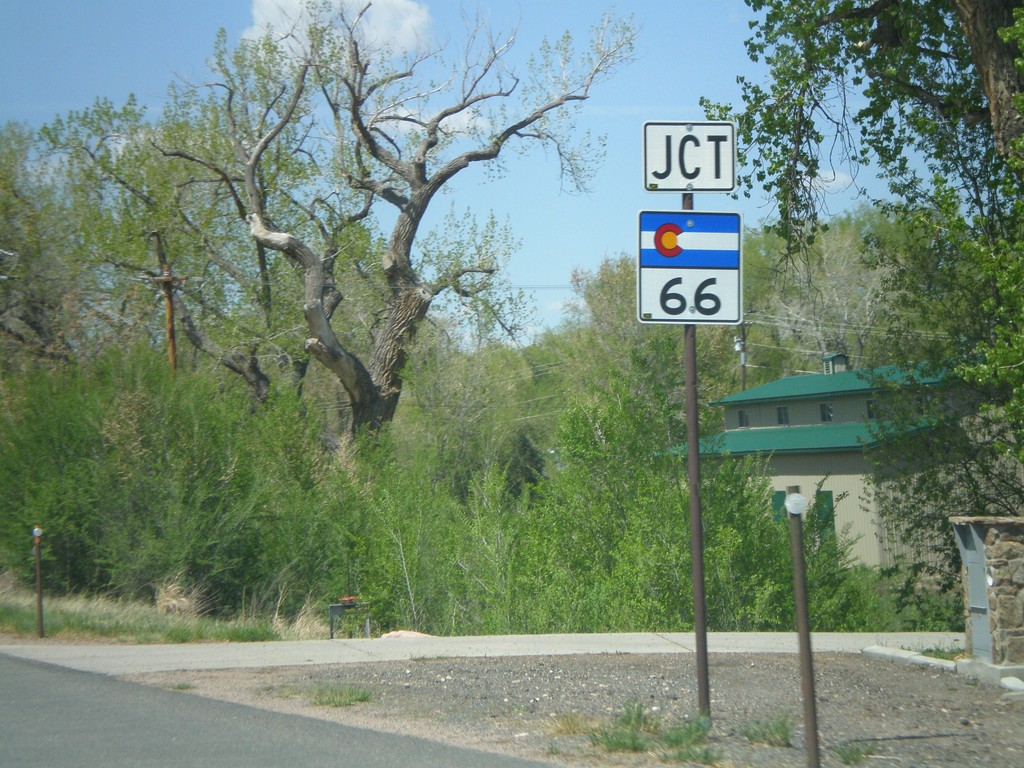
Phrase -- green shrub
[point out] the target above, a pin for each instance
(332, 695)
(775, 732)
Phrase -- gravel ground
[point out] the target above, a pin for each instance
(870, 711)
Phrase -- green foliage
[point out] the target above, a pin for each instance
(606, 545)
(688, 733)
(621, 740)
(636, 730)
(334, 695)
(748, 573)
(632, 731)
(398, 546)
(482, 526)
(136, 476)
(848, 88)
(39, 289)
(951, 435)
(903, 89)
(833, 300)
(776, 732)
(923, 598)
(852, 753)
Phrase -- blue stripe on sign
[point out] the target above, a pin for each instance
(692, 260)
(708, 240)
(698, 221)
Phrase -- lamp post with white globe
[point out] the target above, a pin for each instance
(796, 505)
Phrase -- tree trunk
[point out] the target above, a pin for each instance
(996, 62)
(406, 310)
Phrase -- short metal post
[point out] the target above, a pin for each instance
(37, 537)
(795, 506)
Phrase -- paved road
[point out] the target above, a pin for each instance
(60, 718)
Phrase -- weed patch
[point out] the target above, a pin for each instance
(949, 654)
(327, 695)
(638, 730)
(573, 724)
(777, 732)
(852, 753)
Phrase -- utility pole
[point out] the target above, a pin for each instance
(169, 283)
(740, 345)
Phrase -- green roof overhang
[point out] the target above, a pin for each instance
(816, 438)
(817, 385)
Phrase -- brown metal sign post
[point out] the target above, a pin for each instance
(700, 619)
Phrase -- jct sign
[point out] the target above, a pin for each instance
(689, 268)
(689, 157)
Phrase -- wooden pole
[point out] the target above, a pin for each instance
(167, 279)
(172, 350)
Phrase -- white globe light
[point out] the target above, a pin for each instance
(795, 504)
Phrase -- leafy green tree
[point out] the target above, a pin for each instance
(475, 410)
(892, 84)
(605, 545)
(43, 298)
(139, 477)
(928, 94)
(602, 334)
(835, 302)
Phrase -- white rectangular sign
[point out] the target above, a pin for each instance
(689, 268)
(690, 157)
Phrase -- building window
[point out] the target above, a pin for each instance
(872, 413)
(826, 411)
(744, 418)
(782, 413)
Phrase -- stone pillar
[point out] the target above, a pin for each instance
(1002, 540)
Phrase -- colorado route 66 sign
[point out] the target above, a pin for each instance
(689, 268)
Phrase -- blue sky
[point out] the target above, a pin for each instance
(59, 55)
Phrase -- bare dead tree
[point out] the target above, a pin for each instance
(404, 141)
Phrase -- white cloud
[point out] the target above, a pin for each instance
(837, 182)
(403, 25)
(468, 121)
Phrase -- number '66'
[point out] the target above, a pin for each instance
(705, 302)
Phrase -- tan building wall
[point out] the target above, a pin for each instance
(845, 474)
(845, 409)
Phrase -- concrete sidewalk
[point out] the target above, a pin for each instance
(134, 659)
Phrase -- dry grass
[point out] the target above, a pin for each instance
(80, 617)
(177, 614)
(309, 624)
(574, 724)
(175, 598)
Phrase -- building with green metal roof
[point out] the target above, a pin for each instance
(814, 432)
